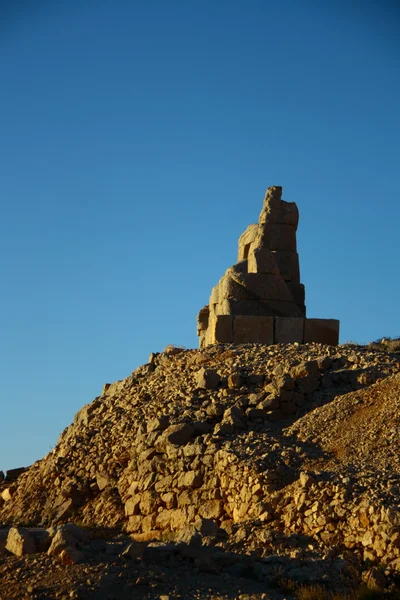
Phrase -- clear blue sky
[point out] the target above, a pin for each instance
(137, 141)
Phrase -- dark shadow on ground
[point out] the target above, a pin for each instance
(180, 570)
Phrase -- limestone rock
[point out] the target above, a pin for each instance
(207, 379)
(20, 541)
(67, 542)
(7, 494)
(177, 435)
(265, 282)
(103, 480)
(158, 424)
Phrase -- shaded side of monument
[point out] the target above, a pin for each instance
(260, 299)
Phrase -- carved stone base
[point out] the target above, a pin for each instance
(243, 329)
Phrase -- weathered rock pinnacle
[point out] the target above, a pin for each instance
(260, 298)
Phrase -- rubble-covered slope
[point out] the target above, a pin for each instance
(298, 439)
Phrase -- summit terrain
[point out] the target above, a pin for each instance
(233, 471)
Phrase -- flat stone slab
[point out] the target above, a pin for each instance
(289, 330)
(262, 260)
(223, 332)
(288, 263)
(321, 331)
(13, 474)
(253, 329)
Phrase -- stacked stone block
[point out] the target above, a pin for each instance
(260, 299)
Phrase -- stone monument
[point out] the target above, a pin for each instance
(260, 299)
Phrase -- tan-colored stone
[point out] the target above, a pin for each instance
(288, 264)
(177, 435)
(245, 241)
(207, 379)
(147, 536)
(276, 210)
(223, 329)
(103, 480)
(64, 543)
(279, 308)
(202, 338)
(6, 494)
(235, 380)
(215, 296)
(367, 539)
(202, 318)
(266, 287)
(134, 522)
(20, 541)
(306, 480)
(289, 330)
(253, 329)
(212, 509)
(163, 519)
(265, 281)
(229, 306)
(190, 479)
(149, 522)
(262, 260)
(232, 287)
(148, 502)
(277, 236)
(164, 484)
(132, 505)
(178, 519)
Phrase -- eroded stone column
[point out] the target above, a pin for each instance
(260, 299)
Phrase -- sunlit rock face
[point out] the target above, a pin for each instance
(260, 299)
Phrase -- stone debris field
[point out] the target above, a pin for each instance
(217, 473)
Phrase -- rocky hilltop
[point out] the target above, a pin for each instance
(224, 472)
(264, 465)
